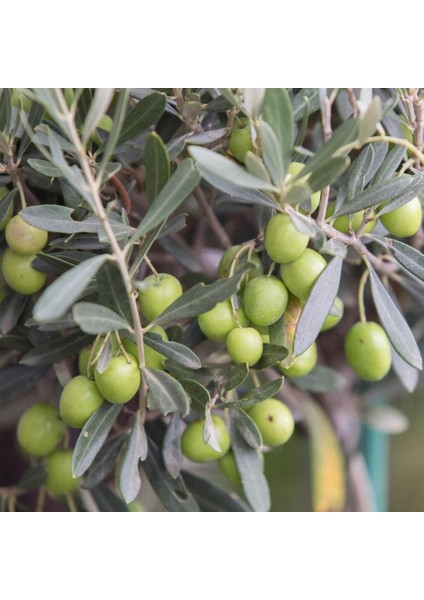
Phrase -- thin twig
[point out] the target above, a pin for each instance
(126, 200)
(216, 226)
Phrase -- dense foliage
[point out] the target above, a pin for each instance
(187, 275)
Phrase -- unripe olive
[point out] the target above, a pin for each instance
(347, 222)
(224, 266)
(59, 473)
(19, 273)
(152, 358)
(368, 351)
(80, 398)
(244, 345)
(23, 238)
(157, 292)
(240, 141)
(217, 323)
(195, 449)
(300, 275)
(228, 467)
(294, 169)
(405, 220)
(283, 242)
(265, 300)
(302, 364)
(40, 429)
(121, 379)
(274, 421)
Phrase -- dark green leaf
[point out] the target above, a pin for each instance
(56, 300)
(250, 467)
(104, 463)
(329, 172)
(394, 323)
(6, 110)
(202, 375)
(271, 356)
(44, 167)
(136, 450)
(112, 291)
(10, 310)
(177, 352)
(182, 254)
(246, 427)
(142, 116)
(171, 449)
(235, 376)
(171, 492)
(277, 111)
(56, 350)
(390, 164)
(343, 135)
(106, 500)
(265, 391)
(93, 435)
(411, 259)
(6, 202)
(276, 332)
(242, 196)
(199, 395)
(201, 298)
(318, 305)
(33, 479)
(166, 394)
(211, 498)
(34, 118)
(119, 115)
(157, 165)
(359, 172)
(16, 380)
(216, 167)
(94, 318)
(99, 105)
(321, 380)
(178, 188)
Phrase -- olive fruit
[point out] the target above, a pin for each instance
(19, 273)
(300, 275)
(333, 320)
(283, 242)
(240, 140)
(228, 467)
(195, 449)
(302, 364)
(295, 168)
(121, 379)
(152, 358)
(274, 421)
(80, 398)
(60, 481)
(264, 300)
(405, 220)
(217, 323)
(345, 223)
(368, 350)
(23, 238)
(244, 345)
(40, 429)
(157, 292)
(224, 266)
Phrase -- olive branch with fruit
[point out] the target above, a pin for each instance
(116, 371)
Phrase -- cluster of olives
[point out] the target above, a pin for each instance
(23, 241)
(273, 419)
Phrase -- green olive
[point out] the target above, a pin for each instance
(283, 242)
(368, 351)
(265, 300)
(274, 421)
(217, 323)
(244, 345)
(300, 275)
(405, 220)
(302, 364)
(195, 449)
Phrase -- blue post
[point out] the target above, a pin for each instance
(375, 446)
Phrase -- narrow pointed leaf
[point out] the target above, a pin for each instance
(171, 449)
(156, 164)
(394, 323)
(173, 350)
(407, 375)
(136, 450)
(56, 350)
(56, 300)
(318, 305)
(278, 113)
(98, 107)
(247, 427)
(92, 437)
(235, 376)
(210, 498)
(271, 153)
(104, 463)
(166, 394)
(200, 396)
(94, 318)
(142, 116)
(390, 164)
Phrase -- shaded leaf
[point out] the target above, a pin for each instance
(318, 305)
(6, 202)
(44, 167)
(171, 492)
(11, 309)
(265, 391)
(394, 323)
(321, 380)
(94, 318)
(247, 427)
(209, 432)
(142, 116)
(235, 376)
(333, 168)
(104, 463)
(92, 437)
(171, 449)
(209, 497)
(411, 259)
(136, 450)
(271, 356)
(56, 300)
(156, 164)
(199, 395)
(250, 467)
(33, 478)
(390, 164)
(328, 467)
(166, 394)
(56, 350)
(16, 380)
(106, 500)
(112, 291)
(271, 154)
(101, 100)
(175, 191)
